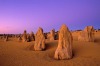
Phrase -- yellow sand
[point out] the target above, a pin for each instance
(14, 53)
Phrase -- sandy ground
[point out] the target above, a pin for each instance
(14, 53)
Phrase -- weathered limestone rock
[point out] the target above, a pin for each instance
(6, 38)
(24, 36)
(87, 34)
(32, 37)
(28, 38)
(46, 35)
(0, 37)
(19, 38)
(52, 35)
(57, 35)
(64, 49)
(39, 40)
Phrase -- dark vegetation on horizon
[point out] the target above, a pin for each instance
(44, 32)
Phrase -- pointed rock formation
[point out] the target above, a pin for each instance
(19, 38)
(45, 34)
(87, 34)
(39, 40)
(6, 38)
(28, 38)
(32, 37)
(52, 35)
(57, 35)
(64, 49)
(24, 36)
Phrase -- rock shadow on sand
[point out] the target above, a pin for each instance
(50, 45)
(97, 40)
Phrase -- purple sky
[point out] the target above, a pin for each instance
(18, 15)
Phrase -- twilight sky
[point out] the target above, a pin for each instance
(18, 15)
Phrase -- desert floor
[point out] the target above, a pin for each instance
(14, 53)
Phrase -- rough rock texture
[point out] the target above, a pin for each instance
(87, 34)
(1, 37)
(46, 35)
(28, 38)
(32, 37)
(24, 36)
(57, 35)
(39, 40)
(19, 38)
(64, 49)
(51, 36)
(6, 38)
